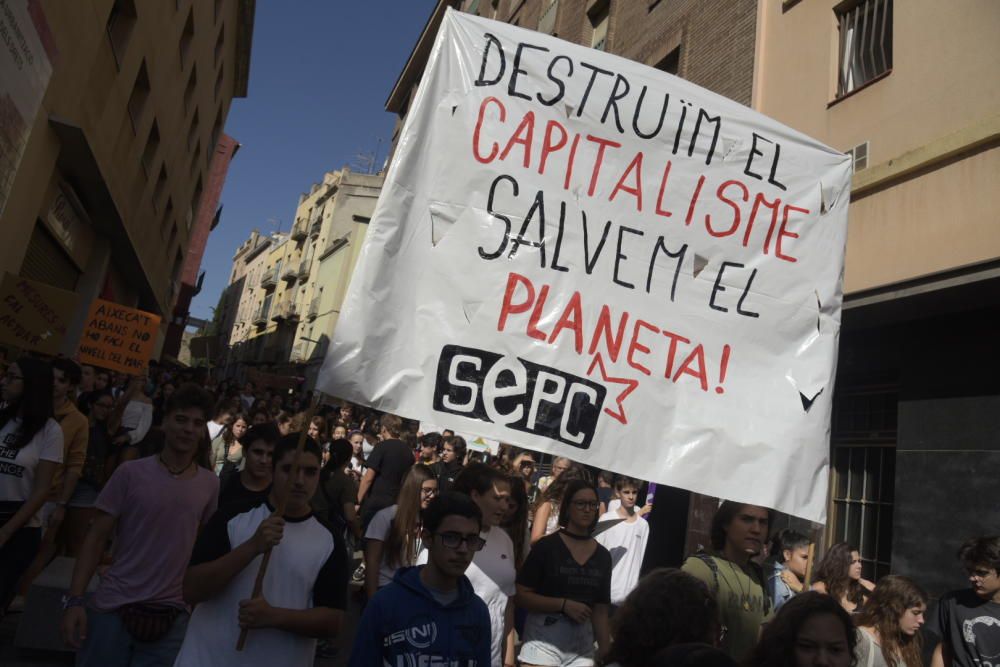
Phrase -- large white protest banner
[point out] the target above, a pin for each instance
(585, 256)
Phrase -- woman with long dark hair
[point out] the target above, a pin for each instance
(515, 521)
(809, 630)
(393, 539)
(889, 625)
(546, 519)
(31, 448)
(227, 452)
(565, 584)
(839, 576)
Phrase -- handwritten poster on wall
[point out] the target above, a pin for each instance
(34, 316)
(118, 337)
(588, 257)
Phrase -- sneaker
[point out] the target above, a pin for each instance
(359, 574)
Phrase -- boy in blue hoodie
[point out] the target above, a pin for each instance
(429, 614)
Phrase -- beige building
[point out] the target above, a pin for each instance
(242, 296)
(286, 291)
(100, 197)
(910, 90)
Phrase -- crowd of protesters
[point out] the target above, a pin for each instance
(166, 487)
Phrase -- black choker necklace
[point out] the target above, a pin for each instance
(574, 535)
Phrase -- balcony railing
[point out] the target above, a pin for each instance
(269, 279)
(313, 308)
(315, 227)
(260, 316)
(290, 273)
(303, 271)
(299, 230)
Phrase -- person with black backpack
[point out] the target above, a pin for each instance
(738, 533)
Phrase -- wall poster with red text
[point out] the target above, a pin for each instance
(585, 256)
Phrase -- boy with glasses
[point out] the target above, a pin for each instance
(969, 620)
(430, 615)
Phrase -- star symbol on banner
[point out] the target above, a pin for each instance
(629, 388)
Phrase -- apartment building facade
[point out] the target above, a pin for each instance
(285, 291)
(909, 90)
(107, 163)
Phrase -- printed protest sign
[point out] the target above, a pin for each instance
(118, 338)
(585, 256)
(33, 315)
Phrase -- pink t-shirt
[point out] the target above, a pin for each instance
(158, 521)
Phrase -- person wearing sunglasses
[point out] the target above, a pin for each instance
(565, 585)
(968, 620)
(430, 614)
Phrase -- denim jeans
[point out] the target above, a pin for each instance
(109, 644)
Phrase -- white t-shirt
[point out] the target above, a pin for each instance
(627, 544)
(308, 569)
(17, 466)
(137, 417)
(378, 529)
(492, 576)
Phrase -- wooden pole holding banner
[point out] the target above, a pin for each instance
(279, 509)
(809, 566)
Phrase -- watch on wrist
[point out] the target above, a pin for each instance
(69, 601)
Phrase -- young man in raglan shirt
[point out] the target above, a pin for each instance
(969, 620)
(305, 589)
(153, 507)
(429, 614)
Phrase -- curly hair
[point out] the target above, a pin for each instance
(776, 647)
(885, 607)
(981, 551)
(667, 607)
(834, 572)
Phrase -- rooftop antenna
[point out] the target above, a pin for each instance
(364, 163)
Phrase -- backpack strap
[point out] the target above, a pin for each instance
(709, 561)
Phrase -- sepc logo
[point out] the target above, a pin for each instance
(519, 394)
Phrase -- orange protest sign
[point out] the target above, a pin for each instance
(34, 316)
(118, 337)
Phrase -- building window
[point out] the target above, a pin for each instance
(865, 43)
(859, 156)
(218, 83)
(161, 185)
(195, 201)
(189, 90)
(152, 146)
(599, 24)
(193, 130)
(168, 219)
(219, 43)
(216, 129)
(121, 23)
(140, 95)
(187, 37)
(671, 64)
(864, 474)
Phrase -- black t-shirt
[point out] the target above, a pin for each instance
(550, 570)
(605, 495)
(971, 626)
(390, 459)
(234, 494)
(446, 474)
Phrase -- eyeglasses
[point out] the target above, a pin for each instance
(527, 464)
(586, 504)
(452, 540)
(429, 491)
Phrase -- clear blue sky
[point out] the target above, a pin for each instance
(320, 73)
